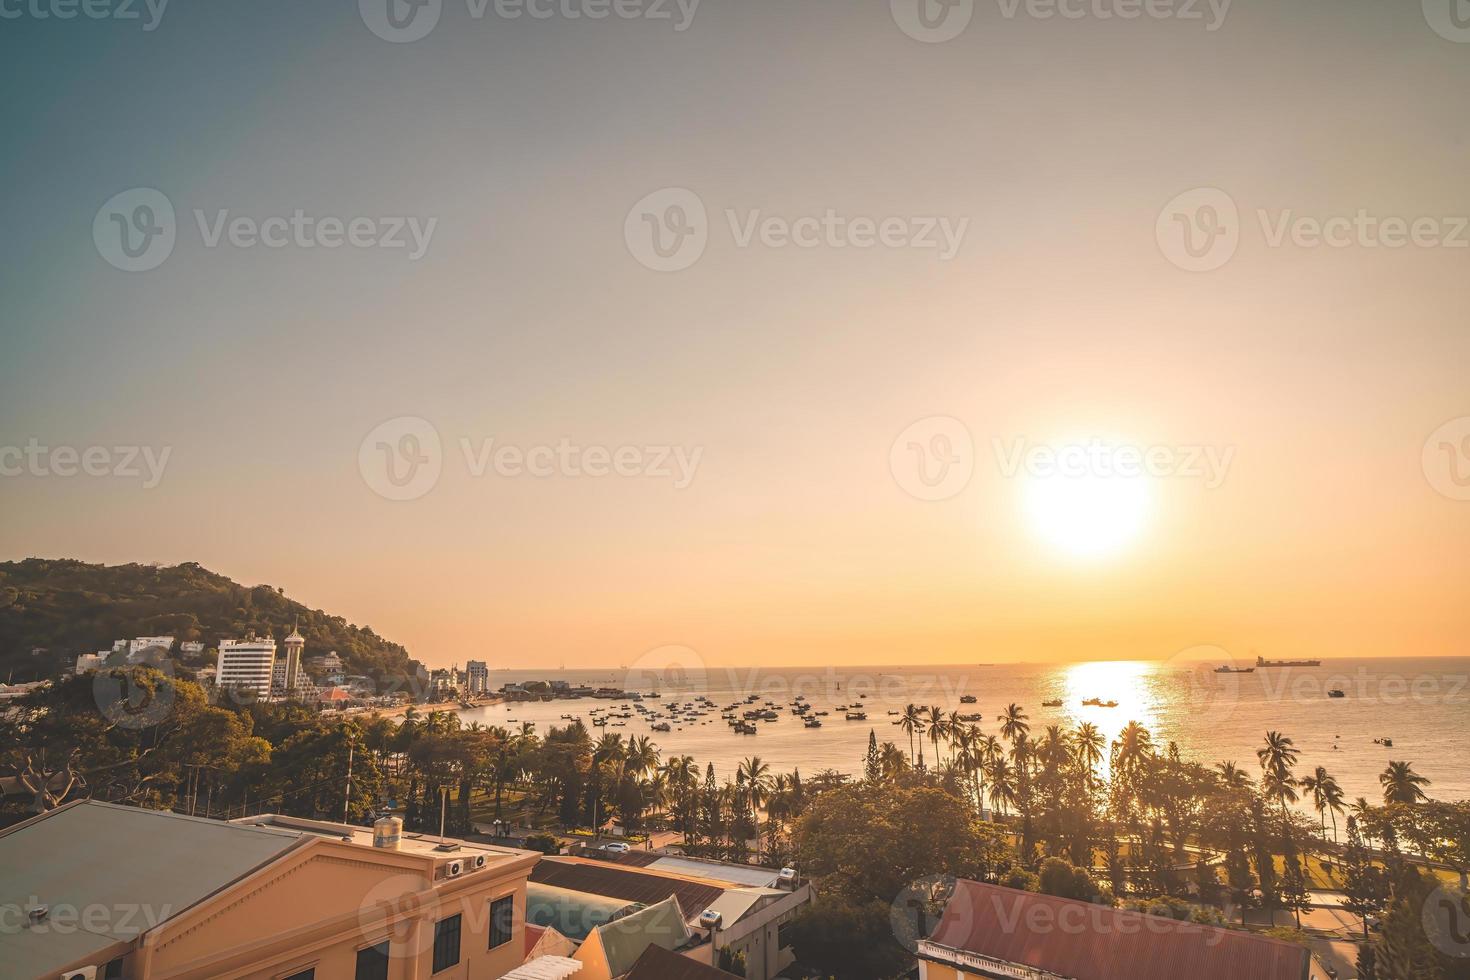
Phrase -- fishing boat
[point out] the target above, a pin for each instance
(1054, 703)
(812, 722)
(1099, 703)
(662, 726)
(857, 716)
(969, 699)
(1337, 693)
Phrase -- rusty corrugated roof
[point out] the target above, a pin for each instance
(1092, 942)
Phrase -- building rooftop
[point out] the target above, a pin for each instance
(545, 968)
(141, 867)
(574, 914)
(628, 884)
(626, 939)
(658, 963)
(1079, 941)
(408, 843)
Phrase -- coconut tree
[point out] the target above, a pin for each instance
(1013, 724)
(1278, 758)
(1088, 744)
(912, 722)
(1401, 784)
(1326, 796)
(938, 728)
(1002, 783)
(1231, 776)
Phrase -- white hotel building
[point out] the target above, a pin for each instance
(246, 665)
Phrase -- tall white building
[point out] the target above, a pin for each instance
(477, 676)
(246, 665)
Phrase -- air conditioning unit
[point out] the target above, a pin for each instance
(710, 919)
(81, 973)
(479, 861)
(453, 869)
(787, 876)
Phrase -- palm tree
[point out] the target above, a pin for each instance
(1133, 746)
(1401, 784)
(1087, 744)
(912, 723)
(1278, 758)
(891, 761)
(1002, 784)
(1013, 723)
(1332, 796)
(938, 729)
(1280, 788)
(755, 776)
(1231, 776)
(1326, 796)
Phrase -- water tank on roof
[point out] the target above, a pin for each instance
(387, 832)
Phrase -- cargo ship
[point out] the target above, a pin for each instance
(1263, 662)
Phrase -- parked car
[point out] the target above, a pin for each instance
(616, 848)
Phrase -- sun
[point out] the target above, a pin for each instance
(1088, 517)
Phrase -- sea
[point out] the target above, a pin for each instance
(1421, 705)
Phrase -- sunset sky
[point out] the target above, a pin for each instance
(532, 317)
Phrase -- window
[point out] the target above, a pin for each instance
(372, 963)
(446, 943)
(309, 974)
(502, 920)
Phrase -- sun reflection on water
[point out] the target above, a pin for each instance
(1131, 683)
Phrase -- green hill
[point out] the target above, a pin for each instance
(70, 607)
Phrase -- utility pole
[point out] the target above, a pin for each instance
(347, 797)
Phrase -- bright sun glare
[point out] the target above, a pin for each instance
(1088, 517)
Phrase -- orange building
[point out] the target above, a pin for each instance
(94, 891)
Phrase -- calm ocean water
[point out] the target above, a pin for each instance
(1422, 704)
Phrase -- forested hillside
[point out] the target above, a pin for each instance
(70, 607)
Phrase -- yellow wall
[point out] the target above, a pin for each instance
(319, 905)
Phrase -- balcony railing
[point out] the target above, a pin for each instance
(986, 965)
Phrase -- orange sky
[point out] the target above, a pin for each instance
(533, 318)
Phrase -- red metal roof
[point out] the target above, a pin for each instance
(1092, 942)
